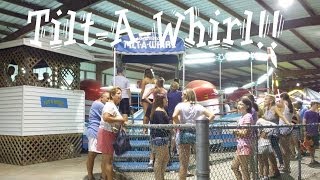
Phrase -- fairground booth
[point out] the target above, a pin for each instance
(41, 108)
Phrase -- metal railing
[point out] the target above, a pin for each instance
(216, 153)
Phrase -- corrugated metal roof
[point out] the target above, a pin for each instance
(17, 8)
(262, 67)
(12, 19)
(239, 6)
(288, 65)
(293, 41)
(266, 41)
(133, 17)
(316, 61)
(294, 11)
(315, 4)
(45, 3)
(304, 64)
(312, 34)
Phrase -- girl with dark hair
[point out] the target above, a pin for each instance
(286, 107)
(255, 107)
(159, 137)
(159, 89)
(244, 147)
(273, 114)
(147, 84)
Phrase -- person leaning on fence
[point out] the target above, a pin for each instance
(244, 140)
(174, 98)
(111, 120)
(311, 119)
(159, 137)
(92, 130)
(159, 89)
(188, 111)
(272, 114)
(286, 108)
(265, 151)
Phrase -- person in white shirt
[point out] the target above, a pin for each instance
(187, 112)
(121, 81)
(111, 120)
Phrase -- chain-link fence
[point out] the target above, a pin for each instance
(223, 152)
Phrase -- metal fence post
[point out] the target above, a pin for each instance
(202, 149)
(255, 154)
(299, 153)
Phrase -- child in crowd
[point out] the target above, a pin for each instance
(264, 152)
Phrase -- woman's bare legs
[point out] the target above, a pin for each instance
(184, 154)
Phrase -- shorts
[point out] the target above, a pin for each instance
(159, 141)
(92, 144)
(187, 136)
(265, 149)
(143, 100)
(105, 141)
(243, 150)
(295, 133)
(124, 106)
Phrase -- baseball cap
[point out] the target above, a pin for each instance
(315, 101)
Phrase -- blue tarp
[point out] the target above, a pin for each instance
(147, 49)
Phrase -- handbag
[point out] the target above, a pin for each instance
(122, 143)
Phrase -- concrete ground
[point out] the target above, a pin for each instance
(75, 169)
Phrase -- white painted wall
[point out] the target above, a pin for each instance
(11, 111)
(36, 120)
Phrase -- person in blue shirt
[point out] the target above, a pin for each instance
(174, 98)
(92, 130)
(302, 109)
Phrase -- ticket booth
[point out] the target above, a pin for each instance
(41, 118)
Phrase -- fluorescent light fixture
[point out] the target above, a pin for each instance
(200, 55)
(270, 71)
(262, 79)
(230, 90)
(261, 56)
(285, 3)
(249, 85)
(199, 61)
(237, 56)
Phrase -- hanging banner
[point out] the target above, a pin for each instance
(149, 44)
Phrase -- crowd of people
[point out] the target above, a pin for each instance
(276, 145)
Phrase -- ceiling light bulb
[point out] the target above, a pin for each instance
(285, 3)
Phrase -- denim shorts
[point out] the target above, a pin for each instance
(159, 141)
(187, 137)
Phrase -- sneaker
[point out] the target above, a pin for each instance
(150, 165)
(313, 164)
(276, 175)
(286, 171)
(281, 167)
